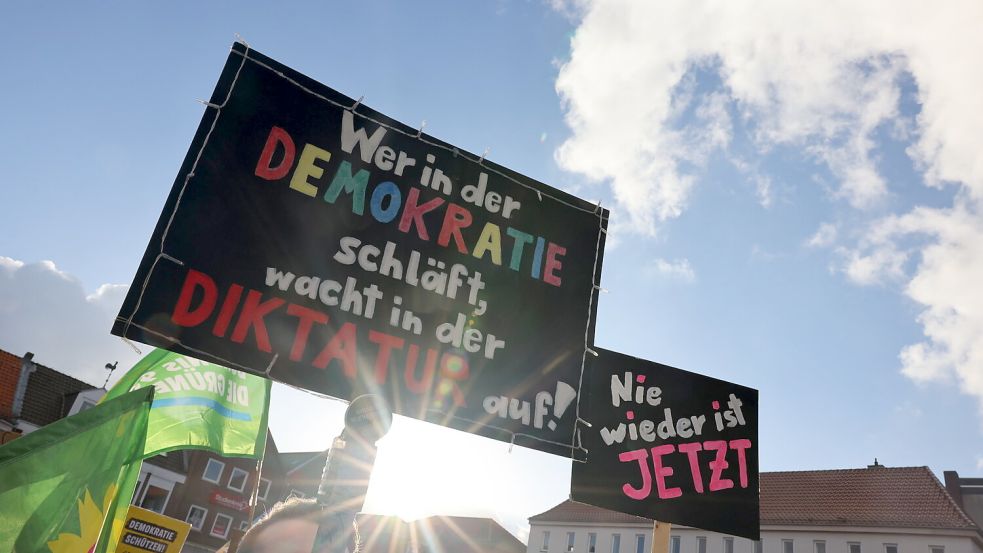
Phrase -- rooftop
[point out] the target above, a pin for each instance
(437, 533)
(49, 394)
(904, 497)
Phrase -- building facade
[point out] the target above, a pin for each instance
(435, 534)
(967, 493)
(302, 473)
(212, 493)
(873, 510)
(33, 395)
(215, 494)
(209, 491)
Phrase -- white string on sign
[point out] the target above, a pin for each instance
(177, 204)
(449, 149)
(198, 353)
(513, 435)
(480, 162)
(574, 443)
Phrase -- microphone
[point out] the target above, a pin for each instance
(345, 479)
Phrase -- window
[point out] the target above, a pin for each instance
(674, 544)
(854, 546)
(819, 546)
(936, 549)
(238, 479)
(213, 471)
(639, 543)
(757, 546)
(220, 528)
(592, 542)
(616, 543)
(788, 546)
(196, 517)
(570, 538)
(728, 545)
(154, 498)
(244, 525)
(701, 544)
(546, 541)
(299, 494)
(152, 492)
(890, 548)
(264, 488)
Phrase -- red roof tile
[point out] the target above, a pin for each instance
(573, 511)
(906, 497)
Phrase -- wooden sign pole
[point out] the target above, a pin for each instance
(660, 537)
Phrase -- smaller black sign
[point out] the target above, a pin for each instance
(670, 445)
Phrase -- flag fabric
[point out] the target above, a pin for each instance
(200, 405)
(59, 484)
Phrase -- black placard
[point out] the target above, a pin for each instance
(669, 445)
(314, 240)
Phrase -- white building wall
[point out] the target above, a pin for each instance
(558, 537)
(837, 540)
(86, 399)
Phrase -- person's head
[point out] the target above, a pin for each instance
(289, 527)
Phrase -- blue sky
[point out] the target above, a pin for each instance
(795, 192)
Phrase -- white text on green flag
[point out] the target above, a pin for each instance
(200, 405)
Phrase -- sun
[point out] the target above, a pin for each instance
(90, 523)
(423, 469)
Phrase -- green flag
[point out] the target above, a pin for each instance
(58, 484)
(200, 405)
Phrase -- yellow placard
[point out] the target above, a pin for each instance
(146, 531)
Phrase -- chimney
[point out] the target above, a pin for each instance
(876, 465)
(952, 486)
(27, 367)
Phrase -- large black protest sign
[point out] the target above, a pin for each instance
(318, 242)
(670, 445)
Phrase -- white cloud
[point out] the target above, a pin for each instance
(883, 265)
(825, 236)
(763, 185)
(47, 311)
(810, 76)
(763, 189)
(10, 264)
(109, 295)
(822, 76)
(569, 8)
(759, 253)
(947, 283)
(819, 77)
(679, 269)
(908, 409)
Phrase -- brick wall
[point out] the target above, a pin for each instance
(9, 374)
(216, 498)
